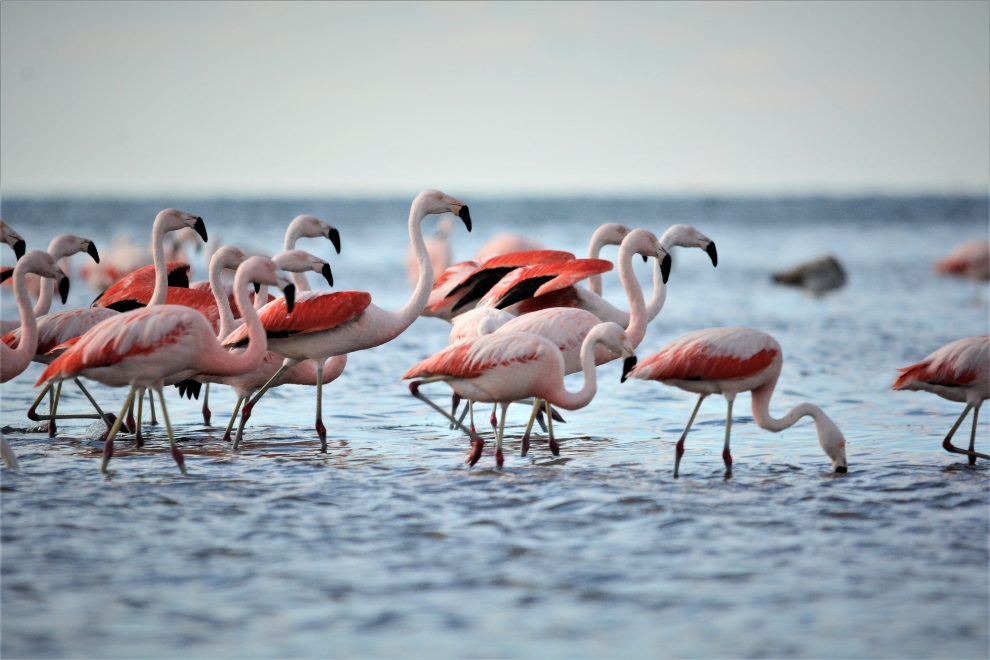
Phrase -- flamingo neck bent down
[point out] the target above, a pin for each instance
(219, 361)
(581, 398)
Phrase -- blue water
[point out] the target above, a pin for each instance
(390, 546)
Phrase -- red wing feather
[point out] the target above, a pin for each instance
(314, 311)
(564, 274)
(526, 258)
(695, 362)
(927, 372)
(132, 286)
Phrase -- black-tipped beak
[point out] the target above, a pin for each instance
(257, 288)
(842, 469)
(627, 366)
(644, 258)
(334, 237)
(465, 215)
(6, 275)
(19, 248)
(290, 297)
(713, 253)
(665, 268)
(63, 289)
(327, 275)
(92, 252)
(200, 228)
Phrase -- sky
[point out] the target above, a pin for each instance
(379, 99)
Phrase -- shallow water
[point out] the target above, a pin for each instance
(390, 545)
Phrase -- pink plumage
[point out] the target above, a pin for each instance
(962, 363)
(314, 311)
(138, 286)
(715, 354)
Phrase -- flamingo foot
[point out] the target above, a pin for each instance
(727, 459)
(472, 430)
(129, 422)
(525, 445)
(322, 432)
(477, 444)
(499, 459)
(107, 455)
(554, 447)
(972, 459)
(52, 428)
(207, 414)
(112, 419)
(226, 436)
(138, 438)
(973, 455)
(493, 422)
(180, 460)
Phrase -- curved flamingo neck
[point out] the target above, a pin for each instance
(161, 266)
(16, 360)
(220, 362)
(598, 241)
(293, 234)
(227, 323)
(766, 421)
(636, 329)
(581, 398)
(404, 316)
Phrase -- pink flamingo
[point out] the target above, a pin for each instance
(12, 238)
(441, 252)
(970, 260)
(331, 324)
(148, 346)
(506, 244)
(728, 361)
(567, 327)
(13, 361)
(959, 371)
(505, 367)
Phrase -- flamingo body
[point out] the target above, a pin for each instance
(970, 260)
(541, 279)
(136, 288)
(959, 371)
(58, 328)
(314, 313)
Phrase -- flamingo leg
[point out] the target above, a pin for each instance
(554, 446)
(288, 364)
(206, 406)
(539, 415)
(151, 405)
(726, 456)
(129, 422)
(477, 444)
(52, 407)
(679, 449)
(108, 443)
(321, 430)
(471, 408)
(7, 455)
(455, 401)
(233, 418)
(176, 454)
(31, 413)
(529, 428)
(972, 436)
(138, 438)
(499, 459)
(89, 396)
(947, 443)
(245, 416)
(493, 420)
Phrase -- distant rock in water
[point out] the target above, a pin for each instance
(818, 275)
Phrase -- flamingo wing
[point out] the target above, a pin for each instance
(713, 354)
(55, 329)
(448, 279)
(6, 273)
(956, 364)
(314, 311)
(488, 274)
(127, 335)
(473, 357)
(540, 279)
(134, 290)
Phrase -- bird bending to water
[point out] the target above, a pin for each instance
(959, 371)
(728, 361)
(505, 367)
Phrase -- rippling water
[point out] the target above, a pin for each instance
(390, 545)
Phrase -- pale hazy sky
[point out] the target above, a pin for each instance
(490, 98)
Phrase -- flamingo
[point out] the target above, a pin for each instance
(503, 367)
(959, 371)
(438, 245)
(970, 260)
(522, 294)
(506, 244)
(567, 327)
(13, 361)
(728, 361)
(125, 258)
(246, 384)
(146, 347)
(330, 324)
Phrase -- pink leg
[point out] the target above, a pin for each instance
(554, 445)
(679, 449)
(320, 429)
(206, 406)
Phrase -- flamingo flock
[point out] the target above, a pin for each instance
(522, 318)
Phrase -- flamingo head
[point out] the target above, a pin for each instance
(261, 270)
(66, 245)
(12, 238)
(613, 337)
(228, 257)
(431, 202)
(611, 233)
(308, 226)
(172, 220)
(43, 264)
(300, 261)
(833, 442)
(645, 243)
(688, 236)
